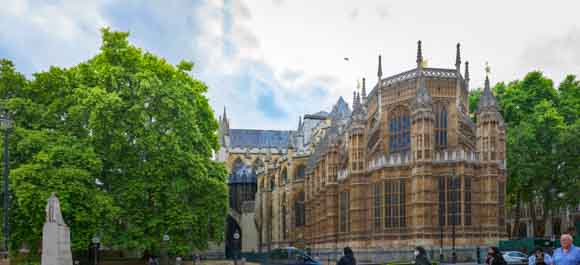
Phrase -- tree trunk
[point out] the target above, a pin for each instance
(533, 217)
(516, 226)
(545, 215)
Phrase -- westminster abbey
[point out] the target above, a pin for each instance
(405, 165)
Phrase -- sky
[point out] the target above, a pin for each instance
(269, 61)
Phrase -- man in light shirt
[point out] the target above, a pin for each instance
(568, 254)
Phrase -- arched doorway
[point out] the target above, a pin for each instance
(233, 238)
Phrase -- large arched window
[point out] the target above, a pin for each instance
(272, 183)
(440, 126)
(300, 172)
(283, 214)
(299, 214)
(238, 163)
(257, 164)
(399, 130)
(284, 175)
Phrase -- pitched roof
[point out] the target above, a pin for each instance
(259, 138)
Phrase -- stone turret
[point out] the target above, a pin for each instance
(490, 146)
(422, 146)
(422, 117)
(490, 126)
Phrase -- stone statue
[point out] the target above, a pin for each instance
(55, 236)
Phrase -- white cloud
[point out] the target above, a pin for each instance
(554, 55)
(291, 52)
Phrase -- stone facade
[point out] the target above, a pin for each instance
(406, 166)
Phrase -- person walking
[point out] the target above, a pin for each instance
(567, 254)
(539, 258)
(494, 257)
(421, 257)
(348, 258)
(153, 260)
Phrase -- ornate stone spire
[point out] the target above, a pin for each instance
(353, 99)
(423, 98)
(299, 122)
(458, 58)
(487, 100)
(225, 117)
(379, 85)
(224, 124)
(466, 76)
(419, 55)
(487, 71)
(364, 91)
(380, 71)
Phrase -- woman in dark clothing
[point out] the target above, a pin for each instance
(421, 256)
(348, 258)
(494, 257)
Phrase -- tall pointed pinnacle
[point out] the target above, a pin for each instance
(379, 85)
(487, 71)
(422, 98)
(458, 58)
(364, 91)
(466, 76)
(487, 99)
(353, 99)
(380, 71)
(224, 116)
(419, 55)
(299, 122)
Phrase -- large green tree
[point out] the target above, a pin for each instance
(542, 152)
(127, 133)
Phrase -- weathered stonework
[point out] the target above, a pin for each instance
(405, 167)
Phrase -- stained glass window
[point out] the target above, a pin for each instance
(399, 130)
(440, 126)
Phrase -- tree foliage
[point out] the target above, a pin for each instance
(125, 139)
(543, 155)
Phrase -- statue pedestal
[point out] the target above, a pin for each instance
(4, 260)
(55, 236)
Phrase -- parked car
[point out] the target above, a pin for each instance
(515, 257)
(290, 256)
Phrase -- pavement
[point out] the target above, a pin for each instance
(220, 262)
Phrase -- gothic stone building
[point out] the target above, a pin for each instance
(406, 166)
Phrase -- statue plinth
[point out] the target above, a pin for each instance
(55, 236)
(4, 259)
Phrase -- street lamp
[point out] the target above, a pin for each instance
(96, 240)
(6, 124)
(165, 246)
(454, 218)
(441, 238)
